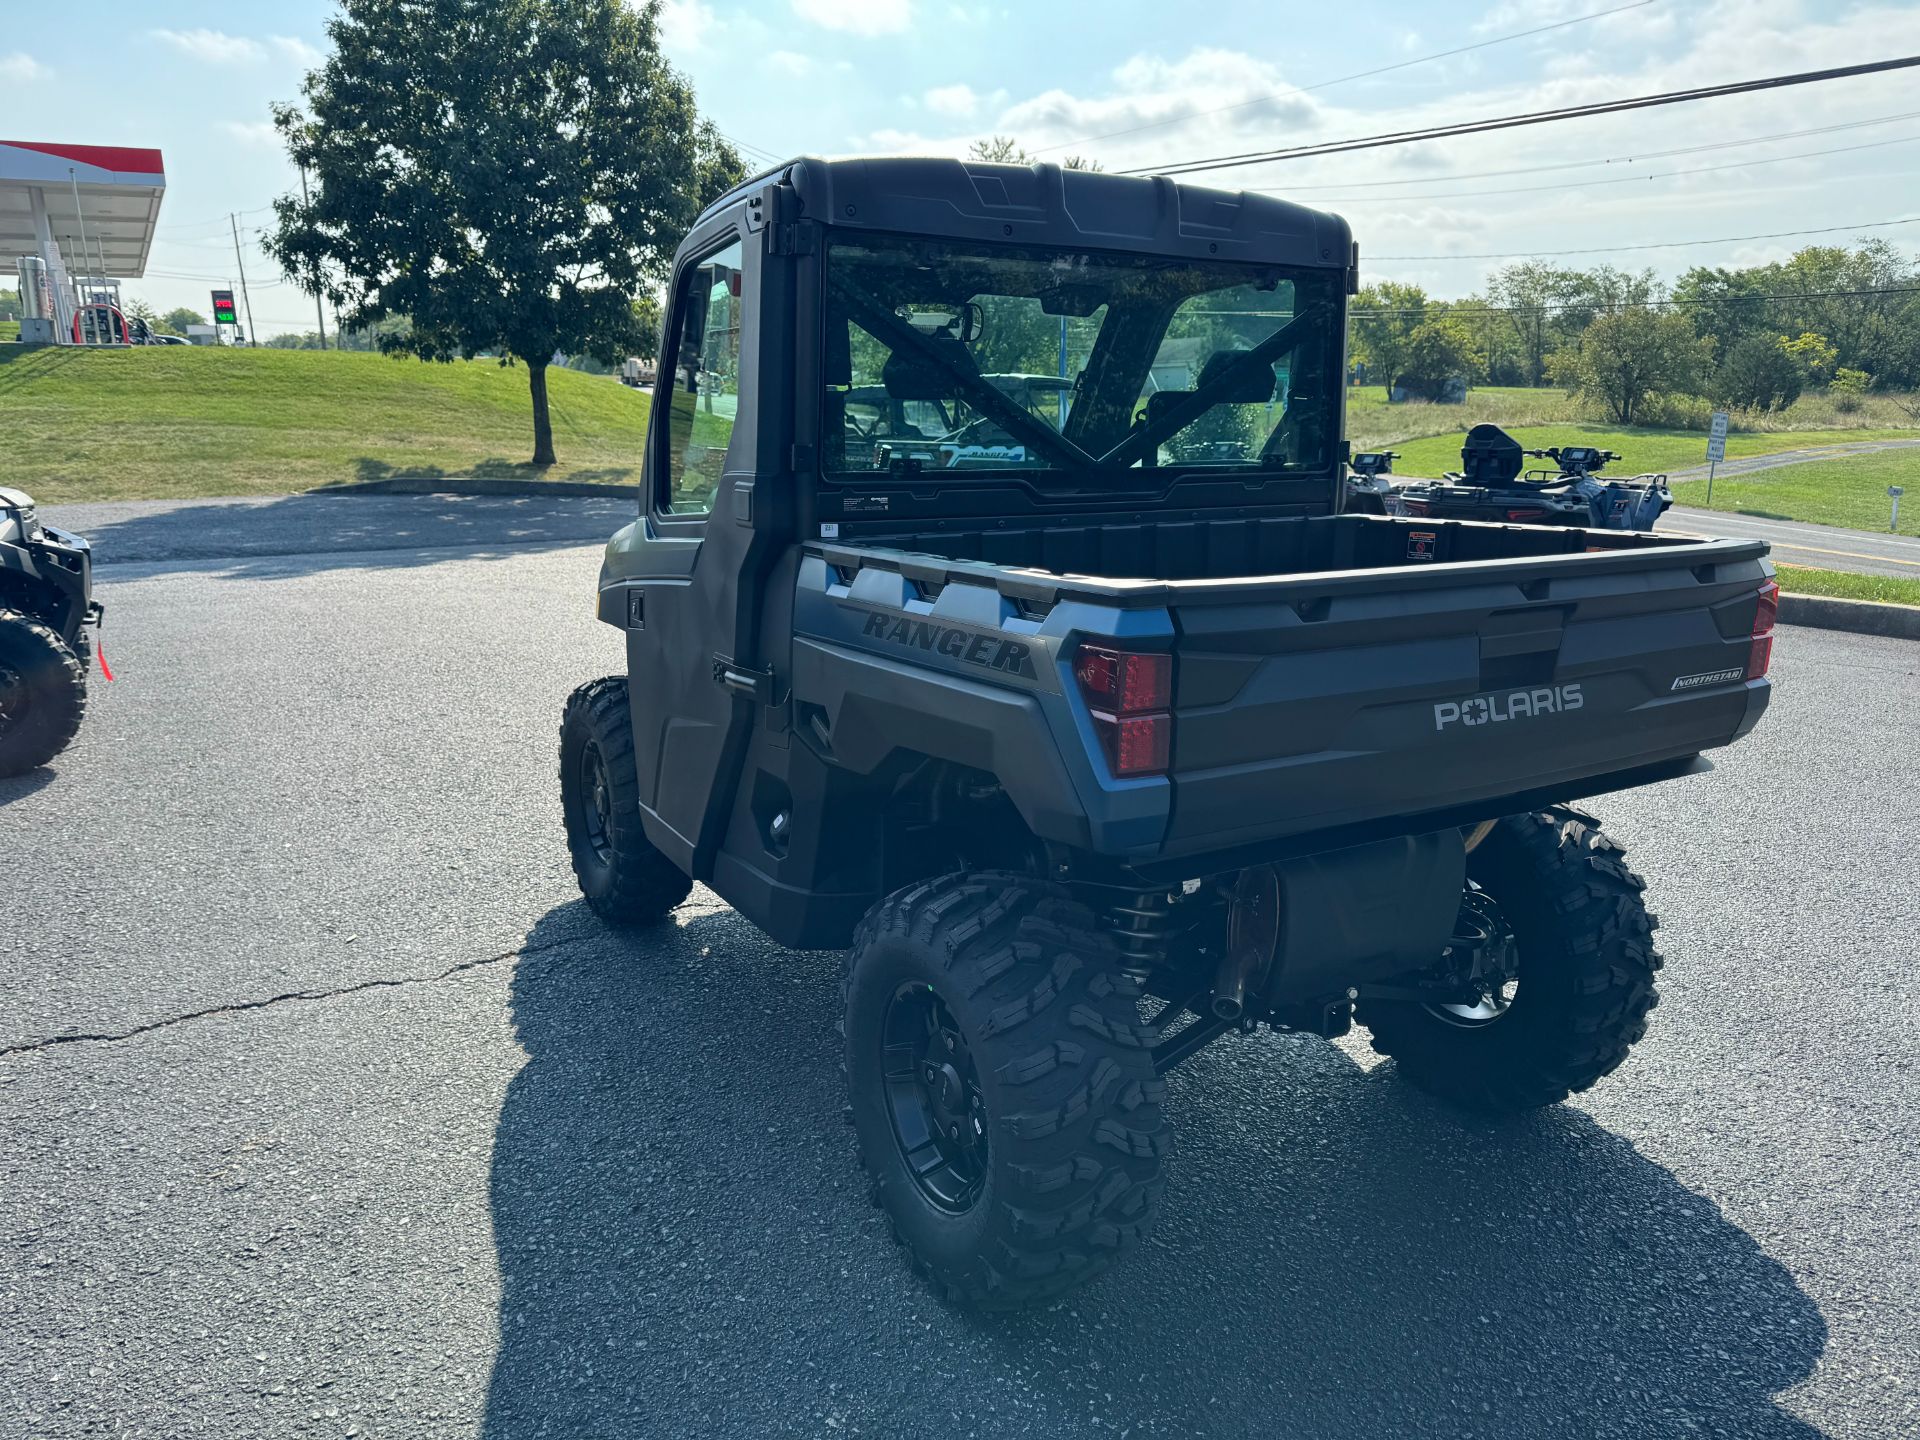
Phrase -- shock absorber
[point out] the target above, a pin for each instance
(1143, 926)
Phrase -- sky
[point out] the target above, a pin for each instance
(1128, 84)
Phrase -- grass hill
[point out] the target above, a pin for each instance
(157, 423)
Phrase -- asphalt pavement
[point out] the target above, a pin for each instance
(1826, 547)
(330, 1111)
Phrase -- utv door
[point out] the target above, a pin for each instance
(722, 406)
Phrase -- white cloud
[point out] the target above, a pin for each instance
(858, 17)
(685, 24)
(791, 61)
(21, 67)
(298, 50)
(956, 100)
(256, 134)
(213, 46)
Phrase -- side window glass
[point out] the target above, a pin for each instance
(703, 393)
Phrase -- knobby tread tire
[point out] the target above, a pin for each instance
(1586, 976)
(56, 693)
(640, 886)
(1076, 1137)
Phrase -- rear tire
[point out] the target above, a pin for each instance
(1061, 1173)
(43, 693)
(1585, 981)
(625, 879)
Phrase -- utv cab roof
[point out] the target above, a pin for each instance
(1042, 204)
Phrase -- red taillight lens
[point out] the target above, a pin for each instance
(1129, 695)
(1414, 507)
(1136, 745)
(1122, 682)
(1525, 514)
(1760, 653)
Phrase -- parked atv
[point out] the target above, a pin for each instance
(46, 610)
(1369, 492)
(1489, 486)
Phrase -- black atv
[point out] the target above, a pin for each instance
(46, 651)
(1489, 486)
(1369, 491)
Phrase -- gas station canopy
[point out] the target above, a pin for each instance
(108, 194)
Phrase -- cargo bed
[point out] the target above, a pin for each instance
(1354, 692)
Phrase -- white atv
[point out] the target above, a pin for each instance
(46, 651)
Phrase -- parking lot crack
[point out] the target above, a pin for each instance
(267, 1002)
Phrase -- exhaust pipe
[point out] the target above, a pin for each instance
(1253, 932)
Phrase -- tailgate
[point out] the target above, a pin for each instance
(1336, 701)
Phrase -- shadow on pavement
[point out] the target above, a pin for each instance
(367, 469)
(308, 533)
(18, 787)
(685, 1248)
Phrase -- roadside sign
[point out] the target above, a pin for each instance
(1717, 438)
(223, 311)
(1716, 448)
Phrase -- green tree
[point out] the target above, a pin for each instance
(1005, 150)
(1723, 305)
(1761, 372)
(1537, 299)
(176, 321)
(1439, 349)
(9, 305)
(1384, 317)
(1000, 150)
(507, 175)
(1627, 356)
(1813, 352)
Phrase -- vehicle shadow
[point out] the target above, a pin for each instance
(368, 470)
(685, 1246)
(19, 787)
(304, 534)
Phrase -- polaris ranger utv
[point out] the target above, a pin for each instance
(1128, 740)
(46, 610)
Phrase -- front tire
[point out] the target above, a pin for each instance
(43, 693)
(626, 880)
(1005, 1102)
(1584, 984)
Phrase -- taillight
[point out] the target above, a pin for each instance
(1525, 514)
(1760, 653)
(1414, 507)
(1129, 695)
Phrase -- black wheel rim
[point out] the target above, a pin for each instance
(596, 802)
(13, 697)
(933, 1099)
(1481, 929)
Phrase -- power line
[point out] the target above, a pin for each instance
(1344, 79)
(1619, 180)
(1586, 164)
(753, 151)
(1662, 244)
(1536, 117)
(202, 224)
(1443, 308)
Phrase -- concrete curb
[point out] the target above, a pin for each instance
(478, 485)
(1861, 617)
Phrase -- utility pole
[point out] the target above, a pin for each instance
(319, 310)
(252, 338)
